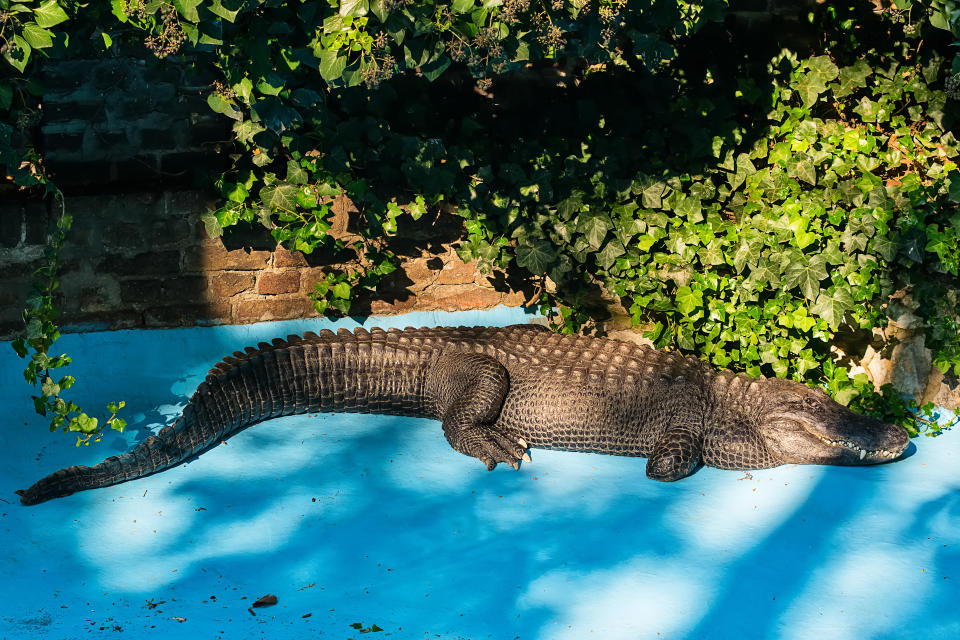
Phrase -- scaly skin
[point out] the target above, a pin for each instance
(499, 390)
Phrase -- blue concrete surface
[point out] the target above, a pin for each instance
(375, 520)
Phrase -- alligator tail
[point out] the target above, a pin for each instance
(290, 376)
(191, 433)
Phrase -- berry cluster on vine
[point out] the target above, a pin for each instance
(171, 36)
(951, 86)
(375, 73)
(223, 90)
(511, 8)
(134, 9)
(550, 35)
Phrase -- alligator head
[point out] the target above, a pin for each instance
(805, 426)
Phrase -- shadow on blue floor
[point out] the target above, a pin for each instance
(375, 520)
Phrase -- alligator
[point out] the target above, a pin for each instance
(499, 391)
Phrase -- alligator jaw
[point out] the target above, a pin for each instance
(874, 455)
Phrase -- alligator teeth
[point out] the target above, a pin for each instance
(847, 444)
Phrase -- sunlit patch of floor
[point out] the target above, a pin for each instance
(647, 596)
(375, 520)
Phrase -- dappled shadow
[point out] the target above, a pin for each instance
(375, 519)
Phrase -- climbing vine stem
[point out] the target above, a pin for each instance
(40, 320)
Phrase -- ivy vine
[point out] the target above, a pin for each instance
(746, 207)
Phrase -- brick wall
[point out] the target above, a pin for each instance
(128, 123)
(144, 260)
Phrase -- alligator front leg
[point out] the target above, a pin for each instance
(469, 389)
(676, 454)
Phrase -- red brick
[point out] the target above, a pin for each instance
(420, 273)
(185, 315)
(284, 258)
(101, 320)
(380, 307)
(10, 329)
(141, 290)
(20, 270)
(214, 257)
(458, 297)
(186, 202)
(272, 283)
(514, 299)
(457, 272)
(37, 218)
(273, 309)
(11, 226)
(13, 293)
(309, 277)
(97, 298)
(225, 285)
(162, 292)
(159, 263)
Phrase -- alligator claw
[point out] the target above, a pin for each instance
(525, 457)
(522, 443)
(489, 446)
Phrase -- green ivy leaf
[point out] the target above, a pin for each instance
(188, 9)
(417, 208)
(37, 36)
(688, 300)
(537, 257)
(608, 256)
(748, 252)
(332, 64)
(801, 167)
(222, 10)
(296, 174)
(49, 14)
(806, 274)
(689, 208)
(832, 307)
(883, 246)
(354, 8)
(246, 130)
(852, 78)
(279, 196)
(381, 9)
(433, 70)
(780, 154)
(822, 69)
(953, 189)
(595, 229)
(226, 107)
(653, 195)
(798, 224)
(19, 54)
(271, 84)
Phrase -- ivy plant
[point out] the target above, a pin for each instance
(750, 208)
(41, 332)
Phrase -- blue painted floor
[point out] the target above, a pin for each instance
(352, 519)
